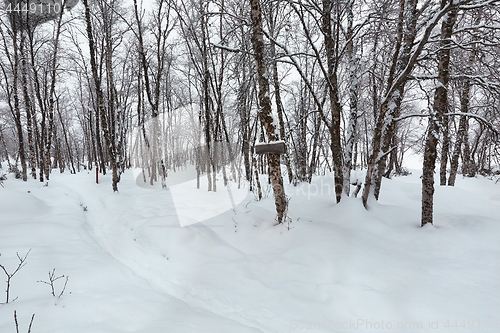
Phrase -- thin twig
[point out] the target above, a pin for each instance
(64, 288)
(15, 320)
(31, 322)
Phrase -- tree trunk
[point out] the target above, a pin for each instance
(66, 141)
(407, 30)
(245, 126)
(445, 150)
(394, 91)
(257, 179)
(468, 165)
(17, 109)
(277, 96)
(462, 126)
(353, 101)
(265, 110)
(439, 108)
(51, 105)
(100, 99)
(335, 106)
(27, 106)
(314, 151)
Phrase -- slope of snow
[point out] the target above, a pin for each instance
(334, 268)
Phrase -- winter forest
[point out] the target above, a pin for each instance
(391, 109)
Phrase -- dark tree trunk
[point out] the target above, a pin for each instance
(245, 127)
(17, 108)
(335, 107)
(27, 106)
(314, 151)
(51, 105)
(265, 110)
(257, 179)
(100, 99)
(439, 108)
(407, 30)
(394, 91)
(462, 126)
(277, 96)
(353, 101)
(445, 150)
(468, 166)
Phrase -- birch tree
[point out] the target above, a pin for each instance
(265, 110)
(154, 73)
(406, 61)
(106, 115)
(10, 73)
(439, 108)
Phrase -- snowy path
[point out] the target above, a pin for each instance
(144, 234)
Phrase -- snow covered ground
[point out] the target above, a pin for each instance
(334, 268)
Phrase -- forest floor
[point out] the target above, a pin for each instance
(132, 267)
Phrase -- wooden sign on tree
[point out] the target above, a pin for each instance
(24, 14)
(275, 147)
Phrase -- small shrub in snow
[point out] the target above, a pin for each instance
(22, 263)
(17, 324)
(53, 279)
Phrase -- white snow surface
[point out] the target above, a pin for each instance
(339, 268)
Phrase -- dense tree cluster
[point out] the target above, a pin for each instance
(346, 84)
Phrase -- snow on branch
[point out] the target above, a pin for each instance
(476, 27)
(480, 80)
(478, 118)
(475, 4)
(422, 77)
(433, 20)
(226, 48)
(381, 154)
(410, 116)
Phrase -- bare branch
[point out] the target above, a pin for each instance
(478, 118)
(52, 280)
(22, 263)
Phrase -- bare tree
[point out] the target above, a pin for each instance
(104, 113)
(395, 86)
(11, 74)
(265, 111)
(438, 110)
